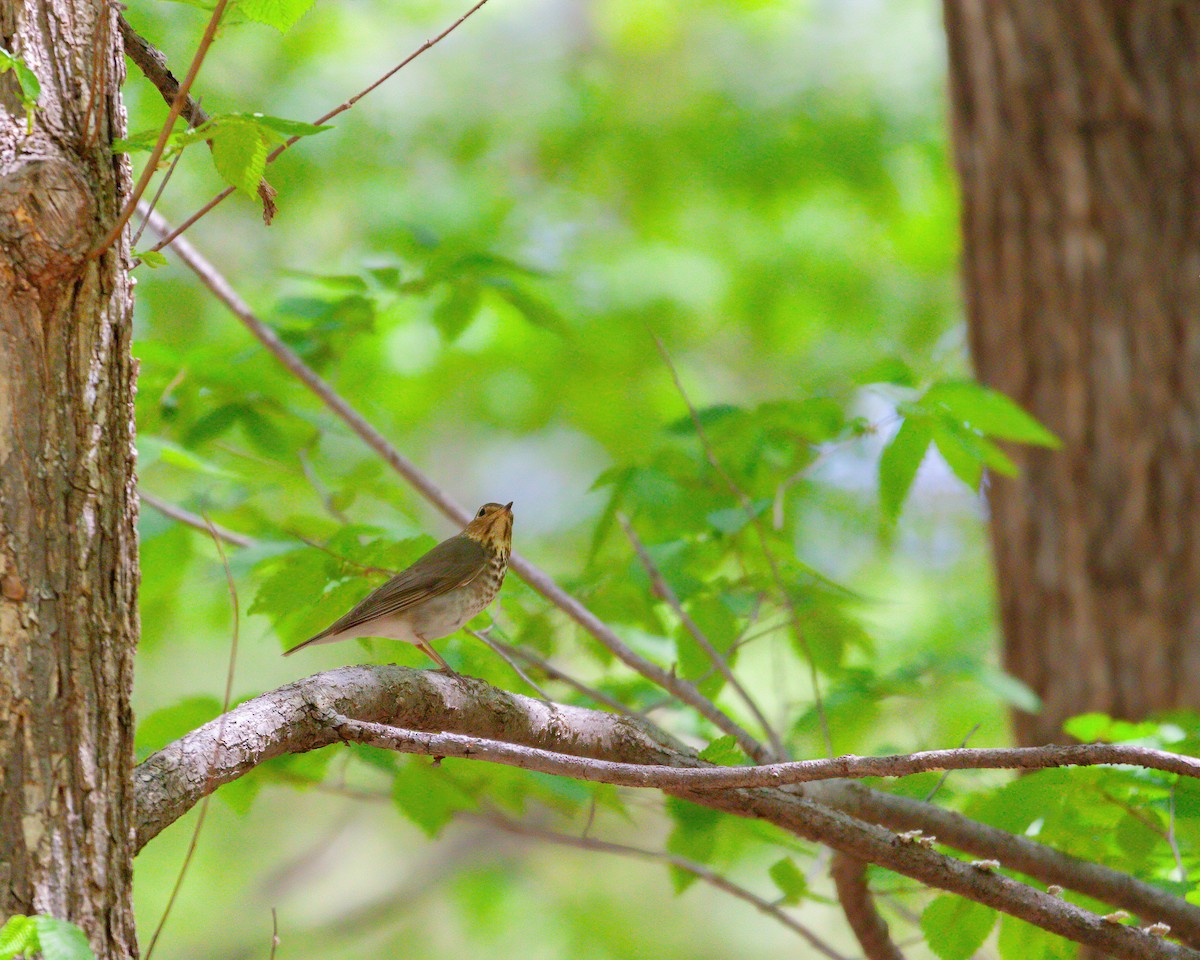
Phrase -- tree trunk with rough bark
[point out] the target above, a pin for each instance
(68, 544)
(1077, 136)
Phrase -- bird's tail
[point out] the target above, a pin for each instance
(323, 637)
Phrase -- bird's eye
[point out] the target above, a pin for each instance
(481, 512)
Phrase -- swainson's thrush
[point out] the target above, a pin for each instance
(439, 593)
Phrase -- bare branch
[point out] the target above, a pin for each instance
(850, 880)
(193, 520)
(153, 64)
(697, 870)
(663, 589)
(1015, 852)
(532, 575)
(766, 775)
(291, 719)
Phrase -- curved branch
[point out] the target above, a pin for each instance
(292, 719)
(850, 880)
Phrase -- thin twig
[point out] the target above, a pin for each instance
(341, 108)
(162, 185)
(764, 545)
(203, 811)
(532, 575)
(1180, 869)
(554, 673)
(193, 520)
(697, 870)
(942, 779)
(274, 933)
(177, 105)
(659, 585)
(764, 775)
(482, 637)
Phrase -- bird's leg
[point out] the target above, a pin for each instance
(426, 649)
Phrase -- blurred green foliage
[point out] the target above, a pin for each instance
(478, 256)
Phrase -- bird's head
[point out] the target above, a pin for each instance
(492, 526)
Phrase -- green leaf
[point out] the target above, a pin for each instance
(280, 14)
(60, 940)
(154, 449)
(454, 314)
(955, 927)
(987, 411)
(18, 936)
(901, 459)
(290, 128)
(725, 752)
(239, 152)
(31, 88)
(732, 519)
(1019, 940)
(151, 258)
(167, 724)
(534, 309)
(961, 452)
(790, 881)
(426, 797)
(694, 837)
(141, 142)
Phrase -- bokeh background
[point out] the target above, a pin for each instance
(763, 184)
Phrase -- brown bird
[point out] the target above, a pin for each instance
(439, 593)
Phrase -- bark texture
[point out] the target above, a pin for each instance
(68, 562)
(842, 815)
(1077, 138)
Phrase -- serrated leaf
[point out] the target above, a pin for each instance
(791, 882)
(987, 411)
(60, 940)
(901, 459)
(18, 936)
(289, 128)
(725, 752)
(151, 258)
(280, 14)
(239, 152)
(955, 927)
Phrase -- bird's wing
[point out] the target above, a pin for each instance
(452, 563)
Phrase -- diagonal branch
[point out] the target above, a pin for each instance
(532, 575)
(292, 719)
(697, 870)
(850, 880)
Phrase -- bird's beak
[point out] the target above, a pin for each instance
(508, 507)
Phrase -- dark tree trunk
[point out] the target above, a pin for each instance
(1077, 138)
(68, 547)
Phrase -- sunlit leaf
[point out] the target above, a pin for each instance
(956, 927)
